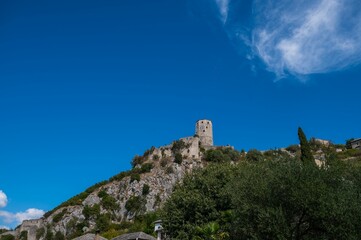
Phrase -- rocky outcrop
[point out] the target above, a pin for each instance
(139, 192)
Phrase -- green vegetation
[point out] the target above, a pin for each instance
(146, 167)
(23, 235)
(306, 155)
(267, 200)
(91, 212)
(178, 146)
(254, 155)
(145, 190)
(2, 230)
(40, 233)
(222, 154)
(178, 158)
(7, 237)
(109, 203)
(59, 216)
(59, 236)
(135, 204)
(135, 177)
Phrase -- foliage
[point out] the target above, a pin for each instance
(254, 155)
(103, 222)
(146, 167)
(348, 143)
(222, 154)
(40, 232)
(145, 190)
(49, 234)
(306, 155)
(23, 235)
(267, 200)
(135, 177)
(169, 170)
(91, 212)
(109, 203)
(102, 193)
(293, 148)
(178, 158)
(137, 160)
(135, 204)
(7, 237)
(164, 162)
(178, 146)
(155, 157)
(3, 230)
(198, 200)
(59, 216)
(59, 236)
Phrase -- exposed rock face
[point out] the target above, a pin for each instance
(160, 181)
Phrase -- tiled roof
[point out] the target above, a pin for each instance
(134, 236)
(90, 236)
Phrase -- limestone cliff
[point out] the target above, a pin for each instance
(140, 190)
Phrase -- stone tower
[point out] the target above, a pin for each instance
(205, 132)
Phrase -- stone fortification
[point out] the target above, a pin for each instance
(204, 130)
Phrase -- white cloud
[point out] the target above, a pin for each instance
(3, 199)
(31, 213)
(4, 227)
(308, 37)
(223, 9)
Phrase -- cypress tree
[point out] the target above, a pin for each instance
(306, 155)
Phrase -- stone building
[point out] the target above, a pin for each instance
(204, 131)
(356, 144)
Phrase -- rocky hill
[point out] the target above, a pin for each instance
(114, 203)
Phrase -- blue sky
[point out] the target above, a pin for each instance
(86, 85)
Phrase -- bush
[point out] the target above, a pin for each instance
(59, 236)
(134, 177)
(91, 212)
(103, 222)
(137, 160)
(293, 148)
(146, 167)
(59, 216)
(40, 232)
(102, 193)
(155, 157)
(7, 237)
(169, 170)
(135, 204)
(178, 146)
(164, 162)
(145, 190)
(178, 158)
(109, 203)
(254, 155)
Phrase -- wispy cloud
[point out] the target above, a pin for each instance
(223, 9)
(302, 37)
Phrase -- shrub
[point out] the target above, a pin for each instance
(91, 212)
(293, 148)
(254, 155)
(59, 216)
(178, 146)
(155, 157)
(178, 158)
(40, 232)
(146, 167)
(149, 151)
(164, 162)
(7, 237)
(134, 177)
(146, 189)
(59, 236)
(137, 160)
(109, 202)
(169, 170)
(135, 204)
(102, 193)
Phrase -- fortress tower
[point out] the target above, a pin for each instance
(205, 132)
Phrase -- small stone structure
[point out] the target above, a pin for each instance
(90, 236)
(356, 144)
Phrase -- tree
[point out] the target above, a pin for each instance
(348, 143)
(306, 155)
